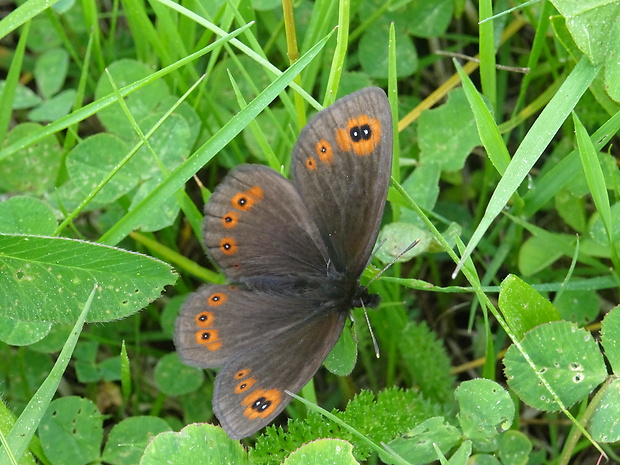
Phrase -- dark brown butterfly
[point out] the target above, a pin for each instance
(295, 251)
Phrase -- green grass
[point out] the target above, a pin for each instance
(116, 126)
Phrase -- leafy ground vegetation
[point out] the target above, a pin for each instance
(117, 120)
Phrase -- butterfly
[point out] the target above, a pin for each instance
(294, 252)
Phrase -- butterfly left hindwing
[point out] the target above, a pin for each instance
(249, 390)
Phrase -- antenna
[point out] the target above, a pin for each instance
(372, 333)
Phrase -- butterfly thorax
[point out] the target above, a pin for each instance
(339, 292)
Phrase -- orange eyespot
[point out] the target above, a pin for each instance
(245, 200)
(228, 246)
(216, 299)
(261, 403)
(230, 220)
(242, 373)
(244, 385)
(204, 319)
(324, 151)
(362, 135)
(209, 339)
(311, 163)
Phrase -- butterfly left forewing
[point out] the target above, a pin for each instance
(257, 228)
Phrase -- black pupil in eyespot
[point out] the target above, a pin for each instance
(261, 404)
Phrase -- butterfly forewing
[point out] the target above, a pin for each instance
(341, 167)
(257, 228)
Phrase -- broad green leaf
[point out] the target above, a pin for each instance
(39, 220)
(595, 28)
(128, 439)
(54, 108)
(140, 103)
(373, 47)
(24, 97)
(174, 378)
(423, 184)
(591, 23)
(605, 423)
(523, 307)
(93, 159)
(341, 360)
(417, 446)
(579, 306)
(323, 451)
(448, 133)
(22, 333)
(32, 169)
(49, 279)
(537, 254)
(432, 18)
(50, 71)
(572, 209)
(203, 443)
(396, 237)
(566, 356)
(514, 448)
(610, 339)
(163, 215)
(485, 409)
(71, 431)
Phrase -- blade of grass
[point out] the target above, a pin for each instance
(596, 184)
(258, 134)
(208, 150)
(342, 42)
(22, 14)
(94, 107)
(487, 128)
(562, 173)
(488, 77)
(11, 82)
(536, 140)
(241, 46)
(22, 432)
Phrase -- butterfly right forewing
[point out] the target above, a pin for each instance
(341, 167)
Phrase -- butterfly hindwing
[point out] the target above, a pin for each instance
(341, 167)
(220, 322)
(249, 390)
